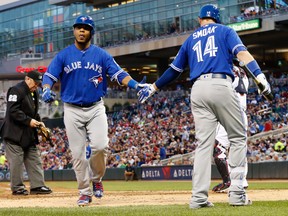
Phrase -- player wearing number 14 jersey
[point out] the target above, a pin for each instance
(209, 53)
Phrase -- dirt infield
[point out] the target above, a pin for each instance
(68, 197)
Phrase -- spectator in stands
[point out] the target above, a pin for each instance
(268, 125)
(284, 157)
(279, 146)
(20, 135)
(162, 152)
(170, 162)
(173, 28)
(129, 172)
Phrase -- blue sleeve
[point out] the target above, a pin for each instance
(168, 76)
(47, 80)
(114, 70)
(52, 74)
(234, 42)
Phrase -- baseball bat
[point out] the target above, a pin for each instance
(260, 86)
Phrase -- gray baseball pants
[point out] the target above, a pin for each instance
(214, 100)
(80, 123)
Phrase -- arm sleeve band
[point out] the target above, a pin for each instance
(169, 75)
(254, 68)
(48, 80)
(238, 49)
(132, 84)
(120, 76)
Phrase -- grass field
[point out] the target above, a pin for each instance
(170, 185)
(277, 207)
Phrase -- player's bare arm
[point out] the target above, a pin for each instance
(245, 56)
(126, 80)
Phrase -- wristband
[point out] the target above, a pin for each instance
(132, 84)
(254, 67)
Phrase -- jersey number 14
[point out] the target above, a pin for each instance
(210, 48)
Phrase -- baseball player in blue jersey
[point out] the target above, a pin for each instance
(82, 69)
(209, 52)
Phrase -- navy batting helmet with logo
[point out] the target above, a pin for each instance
(210, 11)
(85, 20)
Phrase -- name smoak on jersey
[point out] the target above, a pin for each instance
(78, 65)
(204, 32)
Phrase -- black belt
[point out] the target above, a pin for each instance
(219, 75)
(86, 105)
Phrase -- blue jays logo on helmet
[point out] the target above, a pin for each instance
(85, 20)
(210, 11)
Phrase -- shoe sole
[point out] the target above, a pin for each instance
(222, 191)
(249, 202)
(20, 194)
(39, 193)
(83, 204)
(208, 205)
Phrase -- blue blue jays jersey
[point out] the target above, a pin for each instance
(83, 73)
(210, 49)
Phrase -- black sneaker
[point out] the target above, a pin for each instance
(20, 192)
(41, 190)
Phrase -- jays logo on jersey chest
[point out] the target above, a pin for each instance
(96, 80)
(78, 65)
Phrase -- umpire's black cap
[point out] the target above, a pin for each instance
(35, 75)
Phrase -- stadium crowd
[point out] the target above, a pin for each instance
(247, 12)
(142, 134)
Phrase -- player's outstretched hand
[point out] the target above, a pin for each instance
(48, 95)
(146, 92)
(142, 84)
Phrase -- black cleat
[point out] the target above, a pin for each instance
(21, 192)
(41, 190)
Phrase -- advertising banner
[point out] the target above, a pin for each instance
(167, 173)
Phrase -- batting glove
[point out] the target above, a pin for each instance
(141, 84)
(267, 90)
(146, 92)
(48, 95)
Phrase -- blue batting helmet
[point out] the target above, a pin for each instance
(210, 11)
(85, 20)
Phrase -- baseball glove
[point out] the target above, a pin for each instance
(46, 134)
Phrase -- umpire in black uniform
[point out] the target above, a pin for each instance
(19, 132)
